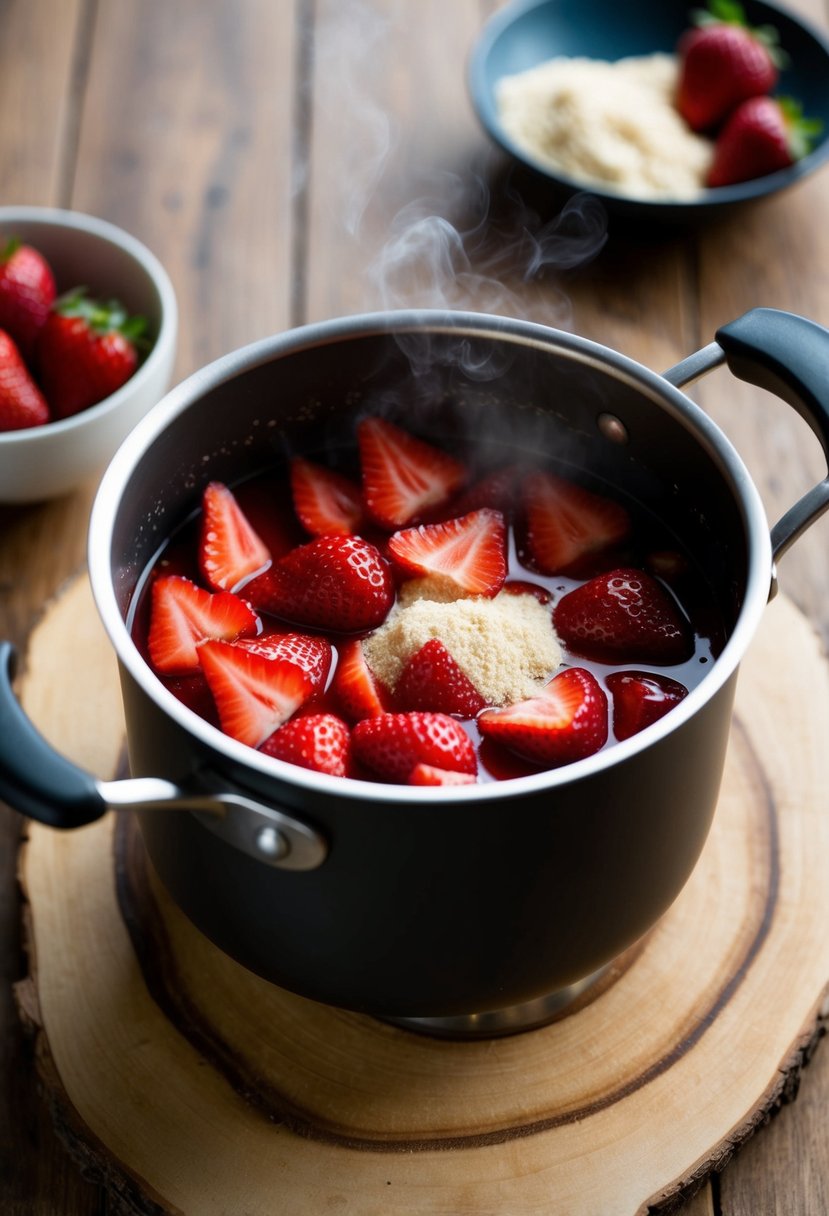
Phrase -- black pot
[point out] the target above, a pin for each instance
(389, 899)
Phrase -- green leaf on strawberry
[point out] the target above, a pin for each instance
(103, 316)
(802, 132)
(762, 135)
(729, 12)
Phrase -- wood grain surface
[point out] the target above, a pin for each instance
(174, 1073)
(214, 130)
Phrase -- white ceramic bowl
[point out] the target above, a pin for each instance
(46, 461)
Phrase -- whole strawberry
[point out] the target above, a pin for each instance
(86, 351)
(392, 745)
(724, 62)
(624, 616)
(316, 741)
(27, 291)
(763, 135)
(341, 583)
(21, 401)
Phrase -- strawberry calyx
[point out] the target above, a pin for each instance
(801, 132)
(102, 316)
(730, 12)
(10, 249)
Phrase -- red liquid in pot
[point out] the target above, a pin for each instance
(267, 503)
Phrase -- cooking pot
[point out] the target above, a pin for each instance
(440, 907)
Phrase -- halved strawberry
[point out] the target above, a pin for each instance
(565, 522)
(338, 583)
(428, 774)
(566, 721)
(316, 741)
(640, 698)
(402, 475)
(253, 694)
(392, 744)
(624, 616)
(182, 616)
(359, 695)
(432, 680)
(230, 551)
(312, 654)
(469, 551)
(326, 502)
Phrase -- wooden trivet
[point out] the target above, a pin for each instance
(190, 1086)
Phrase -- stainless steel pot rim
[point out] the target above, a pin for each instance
(660, 391)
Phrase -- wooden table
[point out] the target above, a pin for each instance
(273, 153)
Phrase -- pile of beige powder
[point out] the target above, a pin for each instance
(505, 645)
(609, 124)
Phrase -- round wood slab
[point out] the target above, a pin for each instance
(192, 1087)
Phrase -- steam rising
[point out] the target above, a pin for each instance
(429, 262)
(467, 240)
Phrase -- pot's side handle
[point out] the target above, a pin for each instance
(789, 356)
(41, 783)
(34, 778)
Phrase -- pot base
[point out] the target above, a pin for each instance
(514, 1019)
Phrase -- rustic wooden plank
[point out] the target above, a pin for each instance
(42, 45)
(393, 142)
(176, 123)
(411, 206)
(784, 1169)
(773, 254)
(187, 141)
(617, 1109)
(41, 60)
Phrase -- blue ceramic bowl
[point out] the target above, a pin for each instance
(529, 32)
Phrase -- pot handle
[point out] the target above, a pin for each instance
(788, 355)
(41, 783)
(34, 778)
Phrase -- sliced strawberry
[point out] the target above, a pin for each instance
(316, 741)
(182, 616)
(566, 523)
(640, 698)
(230, 551)
(359, 695)
(566, 721)
(432, 680)
(624, 616)
(392, 744)
(402, 475)
(337, 583)
(326, 502)
(253, 694)
(312, 654)
(469, 551)
(428, 774)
